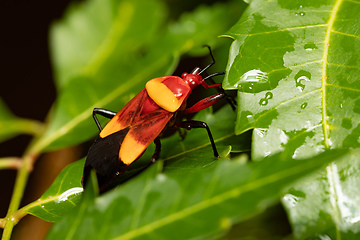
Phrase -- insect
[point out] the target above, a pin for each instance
(130, 131)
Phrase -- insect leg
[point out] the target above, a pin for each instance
(198, 124)
(219, 89)
(205, 103)
(157, 151)
(104, 113)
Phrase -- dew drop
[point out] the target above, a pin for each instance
(268, 95)
(64, 196)
(263, 102)
(300, 14)
(300, 79)
(303, 106)
(291, 199)
(255, 76)
(253, 81)
(299, 83)
(310, 46)
(341, 105)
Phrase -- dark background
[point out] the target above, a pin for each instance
(28, 90)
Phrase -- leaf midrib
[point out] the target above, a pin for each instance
(324, 72)
(324, 114)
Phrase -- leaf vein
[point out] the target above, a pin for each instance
(347, 88)
(345, 34)
(342, 65)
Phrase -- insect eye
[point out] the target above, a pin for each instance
(184, 75)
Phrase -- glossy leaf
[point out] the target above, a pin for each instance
(327, 203)
(117, 71)
(204, 202)
(289, 65)
(295, 65)
(62, 196)
(11, 125)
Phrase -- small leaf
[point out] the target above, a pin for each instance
(60, 197)
(204, 203)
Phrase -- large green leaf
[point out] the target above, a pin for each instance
(199, 204)
(295, 65)
(192, 153)
(130, 49)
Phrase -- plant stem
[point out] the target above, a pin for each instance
(10, 163)
(20, 184)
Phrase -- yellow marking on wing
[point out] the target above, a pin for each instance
(112, 127)
(130, 149)
(162, 95)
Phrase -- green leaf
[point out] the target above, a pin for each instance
(11, 125)
(295, 65)
(204, 202)
(61, 197)
(327, 203)
(93, 31)
(112, 69)
(63, 194)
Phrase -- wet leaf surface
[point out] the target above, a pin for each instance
(295, 66)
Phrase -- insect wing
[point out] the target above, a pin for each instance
(125, 117)
(103, 156)
(140, 135)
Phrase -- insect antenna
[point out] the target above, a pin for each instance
(210, 64)
(229, 99)
(213, 75)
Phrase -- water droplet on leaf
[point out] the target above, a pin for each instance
(310, 46)
(300, 79)
(268, 95)
(303, 106)
(253, 81)
(263, 102)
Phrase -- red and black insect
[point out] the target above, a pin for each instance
(130, 131)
